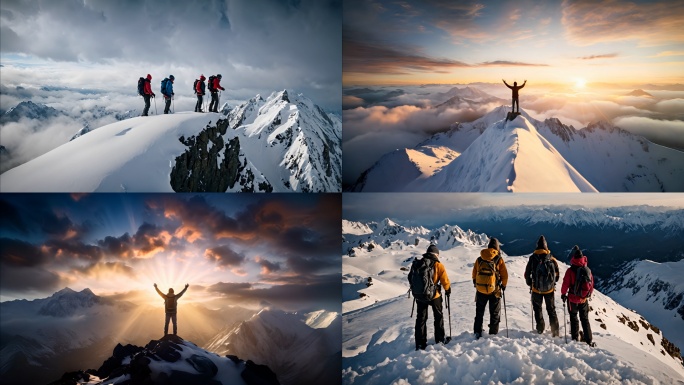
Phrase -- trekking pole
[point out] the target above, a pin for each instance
(448, 339)
(412, 306)
(173, 101)
(565, 324)
(531, 310)
(155, 106)
(503, 292)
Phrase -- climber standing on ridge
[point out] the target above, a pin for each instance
(214, 87)
(171, 306)
(147, 93)
(541, 275)
(515, 89)
(167, 91)
(199, 90)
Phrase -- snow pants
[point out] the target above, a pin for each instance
(537, 300)
(213, 105)
(147, 104)
(172, 317)
(421, 322)
(494, 312)
(167, 106)
(198, 106)
(583, 310)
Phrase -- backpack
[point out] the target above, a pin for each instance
(421, 278)
(194, 86)
(487, 276)
(583, 283)
(164, 83)
(545, 275)
(141, 86)
(211, 83)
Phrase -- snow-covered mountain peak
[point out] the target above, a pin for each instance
(68, 302)
(509, 156)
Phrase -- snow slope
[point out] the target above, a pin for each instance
(282, 143)
(508, 156)
(132, 155)
(378, 344)
(655, 289)
(606, 157)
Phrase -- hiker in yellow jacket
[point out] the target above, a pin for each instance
(490, 277)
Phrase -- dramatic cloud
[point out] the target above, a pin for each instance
(133, 241)
(266, 45)
(365, 57)
(588, 22)
(224, 256)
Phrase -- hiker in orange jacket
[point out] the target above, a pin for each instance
(490, 278)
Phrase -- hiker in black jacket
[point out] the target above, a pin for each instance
(515, 89)
(200, 91)
(171, 306)
(541, 275)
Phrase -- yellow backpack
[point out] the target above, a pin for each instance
(487, 276)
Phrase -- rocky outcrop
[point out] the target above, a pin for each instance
(209, 164)
(176, 362)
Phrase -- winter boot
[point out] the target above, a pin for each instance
(592, 344)
(420, 347)
(478, 335)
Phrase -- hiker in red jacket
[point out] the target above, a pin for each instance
(199, 90)
(147, 94)
(214, 87)
(578, 285)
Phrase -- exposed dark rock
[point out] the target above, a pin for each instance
(203, 365)
(255, 374)
(650, 338)
(198, 169)
(72, 378)
(113, 362)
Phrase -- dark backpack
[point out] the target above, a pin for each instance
(487, 276)
(164, 84)
(421, 278)
(545, 274)
(194, 86)
(141, 86)
(211, 83)
(583, 282)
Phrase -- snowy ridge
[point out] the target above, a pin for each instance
(296, 352)
(641, 218)
(282, 143)
(378, 344)
(600, 156)
(652, 288)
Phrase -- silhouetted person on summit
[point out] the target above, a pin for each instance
(515, 89)
(170, 304)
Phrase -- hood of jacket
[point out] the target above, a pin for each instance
(579, 261)
(489, 254)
